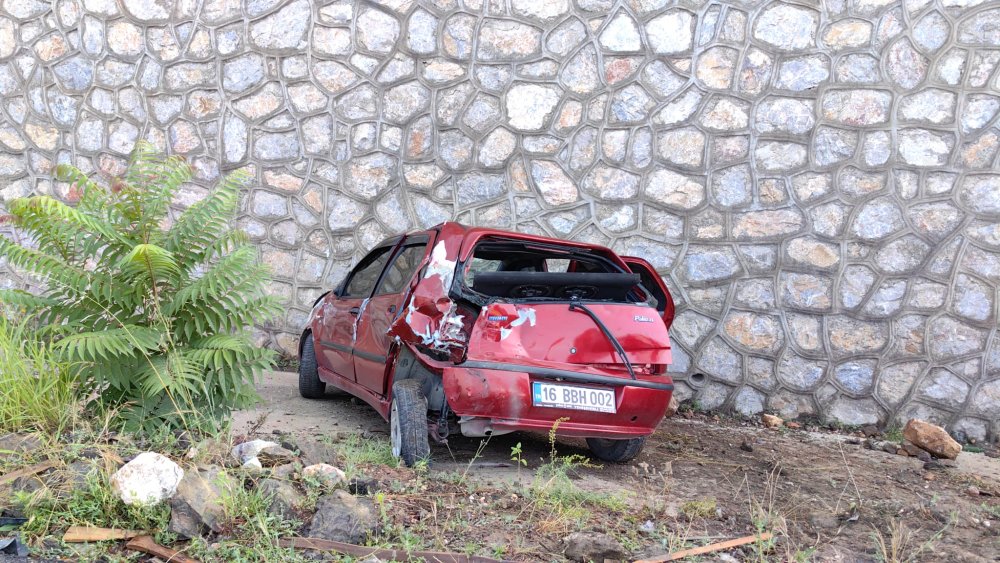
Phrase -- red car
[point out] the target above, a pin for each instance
(488, 332)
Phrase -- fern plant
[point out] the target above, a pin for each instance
(155, 312)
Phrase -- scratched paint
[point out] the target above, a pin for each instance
(431, 316)
(440, 266)
(524, 315)
(354, 325)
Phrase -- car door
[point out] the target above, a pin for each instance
(372, 346)
(343, 307)
(654, 283)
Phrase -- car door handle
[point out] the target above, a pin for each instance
(392, 309)
(354, 311)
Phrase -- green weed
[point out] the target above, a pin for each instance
(38, 390)
(704, 508)
(94, 504)
(356, 452)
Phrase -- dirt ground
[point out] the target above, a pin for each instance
(700, 479)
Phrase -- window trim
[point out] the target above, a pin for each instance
(364, 263)
(407, 244)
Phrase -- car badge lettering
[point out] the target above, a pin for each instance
(642, 319)
(497, 318)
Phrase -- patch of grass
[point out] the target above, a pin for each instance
(94, 504)
(991, 511)
(704, 508)
(253, 532)
(39, 392)
(356, 452)
(899, 544)
(894, 433)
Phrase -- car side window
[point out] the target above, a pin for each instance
(401, 271)
(366, 274)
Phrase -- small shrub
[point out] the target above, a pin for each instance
(37, 389)
(704, 508)
(154, 313)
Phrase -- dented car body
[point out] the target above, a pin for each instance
(484, 331)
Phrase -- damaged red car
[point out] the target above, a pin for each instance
(484, 332)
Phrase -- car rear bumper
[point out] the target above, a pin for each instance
(498, 396)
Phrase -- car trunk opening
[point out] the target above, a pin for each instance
(562, 305)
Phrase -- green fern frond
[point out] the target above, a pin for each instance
(21, 300)
(148, 265)
(208, 220)
(54, 270)
(46, 207)
(93, 198)
(128, 341)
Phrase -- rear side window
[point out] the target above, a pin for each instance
(401, 271)
(363, 279)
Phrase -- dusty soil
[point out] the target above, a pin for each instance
(700, 479)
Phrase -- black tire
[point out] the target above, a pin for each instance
(616, 451)
(310, 385)
(408, 422)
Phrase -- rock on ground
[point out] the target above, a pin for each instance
(284, 499)
(932, 438)
(592, 546)
(343, 517)
(197, 505)
(147, 480)
(772, 421)
(325, 473)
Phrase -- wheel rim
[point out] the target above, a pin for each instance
(395, 435)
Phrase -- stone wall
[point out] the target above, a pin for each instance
(816, 180)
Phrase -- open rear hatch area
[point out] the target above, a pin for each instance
(557, 330)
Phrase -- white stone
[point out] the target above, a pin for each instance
(377, 31)
(544, 10)
(621, 35)
(671, 32)
(786, 26)
(284, 30)
(529, 106)
(147, 480)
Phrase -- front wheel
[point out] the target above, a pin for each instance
(616, 451)
(310, 385)
(408, 423)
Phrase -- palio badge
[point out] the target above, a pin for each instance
(641, 319)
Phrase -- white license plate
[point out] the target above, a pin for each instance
(572, 397)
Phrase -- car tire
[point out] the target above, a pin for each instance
(616, 451)
(408, 423)
(310, 385)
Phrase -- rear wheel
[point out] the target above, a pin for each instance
(616, 451)
(310, 385)
(408, 422)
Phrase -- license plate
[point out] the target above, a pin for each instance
(572, 397)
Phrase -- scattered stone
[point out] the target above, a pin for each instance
(246, 453)
(147, 480)
(343, 517)
(284, 500)
(592, 546)
(931, 438)
(197, 507)
(771, 421)
(326, 474)
(746, 446)
(14, 444)
(271, 456)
